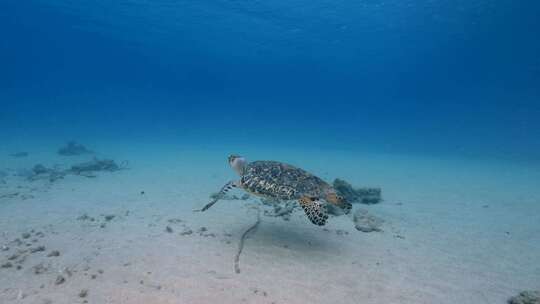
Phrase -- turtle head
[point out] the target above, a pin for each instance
(238, 163)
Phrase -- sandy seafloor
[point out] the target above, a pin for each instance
(455, 231)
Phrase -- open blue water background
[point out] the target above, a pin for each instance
(456, 78)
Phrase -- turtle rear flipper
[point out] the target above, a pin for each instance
(314, 209)
(339, 201)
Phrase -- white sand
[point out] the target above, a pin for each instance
(455, 231)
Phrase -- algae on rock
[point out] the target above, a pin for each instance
(357, 195)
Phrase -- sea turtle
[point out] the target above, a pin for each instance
(284, 182)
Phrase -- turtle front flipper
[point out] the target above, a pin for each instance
(314, 209)
(228, 186)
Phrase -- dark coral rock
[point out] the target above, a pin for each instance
(41, 172)
(357, 195)
(40, 169)
(95, 165)
(73, 148)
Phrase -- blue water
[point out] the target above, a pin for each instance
(435, 102)
(420, 77)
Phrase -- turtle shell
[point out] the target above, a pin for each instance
(281, 181)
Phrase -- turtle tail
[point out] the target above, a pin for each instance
(338, 200)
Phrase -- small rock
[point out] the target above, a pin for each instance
(100, 271)
(102, 225)
(365, 222)
(85, 217)
(37, 249)
(39, 269)
(341, 232)
(59, 280)
(83, 293)
(174, 220)
(93, 277)
(14, 256)
(186, 232)
(25, 235)
(6, 265)
(109, 217)
(53, 253)
(169, 229)
(40, 169)
(203, 229)
(5, 248)
(526, 297)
